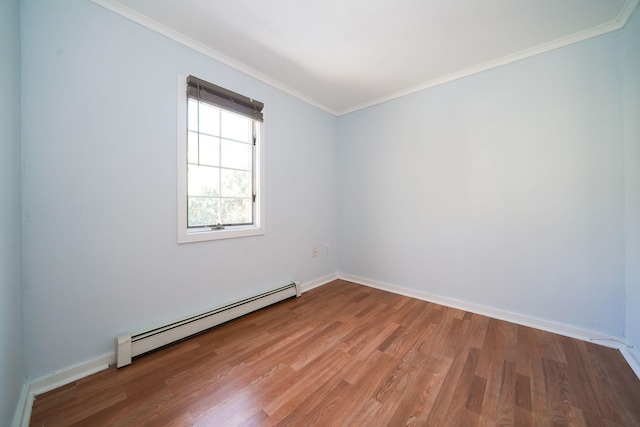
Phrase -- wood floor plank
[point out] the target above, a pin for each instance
(237, 407)
(617, 385)
(433, 377)
(455, 390)
(324, 413)
(365, 377)
(523, 392)
(368, 339)
(522, 417)
(311, 403)
(493, 348)
(256, 420)
(348, 355)
(505, 405)
(403, 373)
(477, 330)
(126, 412)
(323, 368)
(475, 398)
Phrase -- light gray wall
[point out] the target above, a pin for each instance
(12, 374)
(99, 134)
(504, 189)
(632, 177)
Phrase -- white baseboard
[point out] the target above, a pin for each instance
(633, 359)
(69, 375)
(22, 416)
(520, 319)
(60, 378)
(318, 282)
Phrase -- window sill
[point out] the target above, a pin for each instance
(227, 233)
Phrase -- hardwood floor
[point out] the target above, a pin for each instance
(346, 354)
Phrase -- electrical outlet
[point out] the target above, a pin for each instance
(314, 252)
(326, 248)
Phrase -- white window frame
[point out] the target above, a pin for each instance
(186, 235)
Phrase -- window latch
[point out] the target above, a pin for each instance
(218, 226)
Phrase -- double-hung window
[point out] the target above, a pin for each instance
(219, 163)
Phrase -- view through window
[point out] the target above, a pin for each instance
(220, 166)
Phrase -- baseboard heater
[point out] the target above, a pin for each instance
(128, 346)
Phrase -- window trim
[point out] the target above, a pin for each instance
(186, 235)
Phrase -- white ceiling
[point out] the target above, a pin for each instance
(343, 55)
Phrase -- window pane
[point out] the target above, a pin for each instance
(236, 211)
(209, 150)
(236, 155)
(235, 183)
(203, 181)
(192, 114)
(209, 117)
(203, 211)
(192, 147)
(235, 127)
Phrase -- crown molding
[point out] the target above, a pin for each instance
(616, 24)
(140, 19)
(613, 25)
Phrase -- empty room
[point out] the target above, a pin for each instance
(334, 213)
